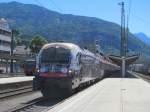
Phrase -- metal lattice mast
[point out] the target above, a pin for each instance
(123, 31)
(123, 40)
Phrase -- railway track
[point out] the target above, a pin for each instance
(139, 75)
(24, 107)
(39, 105)
(13, 92)
(43, 104)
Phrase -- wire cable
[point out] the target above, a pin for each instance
(55, 5)
(39, 3)
(141, 19)
(129, 11)
(128, 19)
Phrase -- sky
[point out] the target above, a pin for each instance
(139, 19)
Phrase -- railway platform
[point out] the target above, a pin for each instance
(110, 95)
(9, 75)
(15, 79)
(12, 83)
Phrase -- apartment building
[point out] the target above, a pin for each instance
(5, 36)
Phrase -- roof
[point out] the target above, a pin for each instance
(70, 46)
(21, 50)
(65, 45)
(129, 59)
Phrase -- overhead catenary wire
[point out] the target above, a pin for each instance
(128, 19)
(39, 3)
(141, 19)
(135, 15)
(55, 5)
(129, 11)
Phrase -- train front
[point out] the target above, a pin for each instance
(53, 65)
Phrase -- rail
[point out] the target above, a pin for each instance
(13, 92)
(139, 75)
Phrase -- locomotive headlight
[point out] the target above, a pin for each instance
(70, 71)
(37, 70)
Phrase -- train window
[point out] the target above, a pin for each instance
(85, 59)
(55, 55)
(79, 58)
(47, 55)
(63, 55)
(29, 64)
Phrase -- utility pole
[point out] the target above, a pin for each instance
(97, 46)
(11, 50)
(123, 45)
(123, 31)
(124, 60)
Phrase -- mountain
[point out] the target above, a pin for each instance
(32, 19)
(143, 37)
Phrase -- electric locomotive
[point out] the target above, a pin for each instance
(63, 67)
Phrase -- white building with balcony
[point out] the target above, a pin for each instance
(5, 36)
(5, 43)
(22, 50)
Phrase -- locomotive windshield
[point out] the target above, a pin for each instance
(55, 55)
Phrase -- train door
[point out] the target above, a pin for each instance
(86, 67)
(79, 64)
(77, 77)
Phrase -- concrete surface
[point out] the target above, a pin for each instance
(15, 79)
(110, 95)
(6, 105)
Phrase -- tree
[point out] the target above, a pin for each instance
(17, 37)
(36, 43)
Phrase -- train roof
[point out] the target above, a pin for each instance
(70, 46)
(65, 45)
(87, 52)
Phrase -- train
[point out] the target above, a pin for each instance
(65, 67)
(140, 68)
(29, 67)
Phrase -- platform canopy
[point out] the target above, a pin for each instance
(129, 59)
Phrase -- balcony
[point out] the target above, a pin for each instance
(4, 48)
